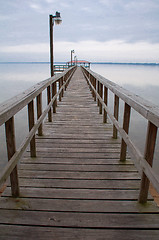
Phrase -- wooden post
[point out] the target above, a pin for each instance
(31, 124)
(95, 86)
(53, 94)
(106, 102)
(126, 121)
(98, 92)
(101, 95)
(60, 85)
(65, 79)
(39, 112)
(116, 114)
(11, 149)
(149, 153)
(48, 101)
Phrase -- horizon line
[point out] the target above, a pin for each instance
(43, 62)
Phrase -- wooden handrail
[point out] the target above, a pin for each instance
(9, 109)
(143, 107)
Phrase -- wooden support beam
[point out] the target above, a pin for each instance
(98, 92)
(31, 124)
(149, 153)
(101, 95)
(11, 149)
(62, 93)
(106, 103)
(53, 94)
(95, 83)
(116, 115)
(48, 101)
(39, 112)
(60, 84)
(126, 121)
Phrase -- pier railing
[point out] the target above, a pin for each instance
(10, 108)
(60, 67)
(100, 87)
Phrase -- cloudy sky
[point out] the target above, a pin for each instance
(98, 30)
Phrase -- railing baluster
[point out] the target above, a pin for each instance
(98, 92)
(11, 149)
(95, 83)
(39, 112)
(126, 121)
(106, 102)
(116, 115)
(62, 93)
(101, 95)
(31, 124)
(59, 89)
(48, 101)
(53, 94)
(149, 152)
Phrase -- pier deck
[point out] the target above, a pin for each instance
(76, 187)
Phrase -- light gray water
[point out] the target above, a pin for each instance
(139, 79)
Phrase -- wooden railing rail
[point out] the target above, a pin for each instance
(100, 85)
(14, 105)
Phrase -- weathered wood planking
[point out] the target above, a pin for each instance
(77, 187)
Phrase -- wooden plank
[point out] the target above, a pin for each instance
(69, 205)
(35, 232)
(77, 175)
(87, 194)
(78, 167)
(79, 183)
(81, 220)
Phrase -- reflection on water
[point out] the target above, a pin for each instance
(141, 80)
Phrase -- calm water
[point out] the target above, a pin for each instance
(140, 79)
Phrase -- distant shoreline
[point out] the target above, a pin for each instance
(113, 63)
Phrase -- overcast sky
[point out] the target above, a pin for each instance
(98, 30)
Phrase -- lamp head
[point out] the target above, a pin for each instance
(57, 18)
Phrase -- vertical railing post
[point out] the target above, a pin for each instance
(11, 149)
(95, 86)
(60, 84)
(48, 101)
(106, 103)
(39, 112)
(116, 115)
(65, 79)
(98, 83)
(53, 94)
(101, 95)
(149, 153)
(126, 121)
(31, 124)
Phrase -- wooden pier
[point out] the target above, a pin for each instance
(76, 186)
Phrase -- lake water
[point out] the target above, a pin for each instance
(139, 79)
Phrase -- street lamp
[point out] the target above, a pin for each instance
(75, 60)
(57, 19)
(72, 51)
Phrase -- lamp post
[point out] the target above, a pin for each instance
(72, 51)
(75, 60)
(57, 19)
